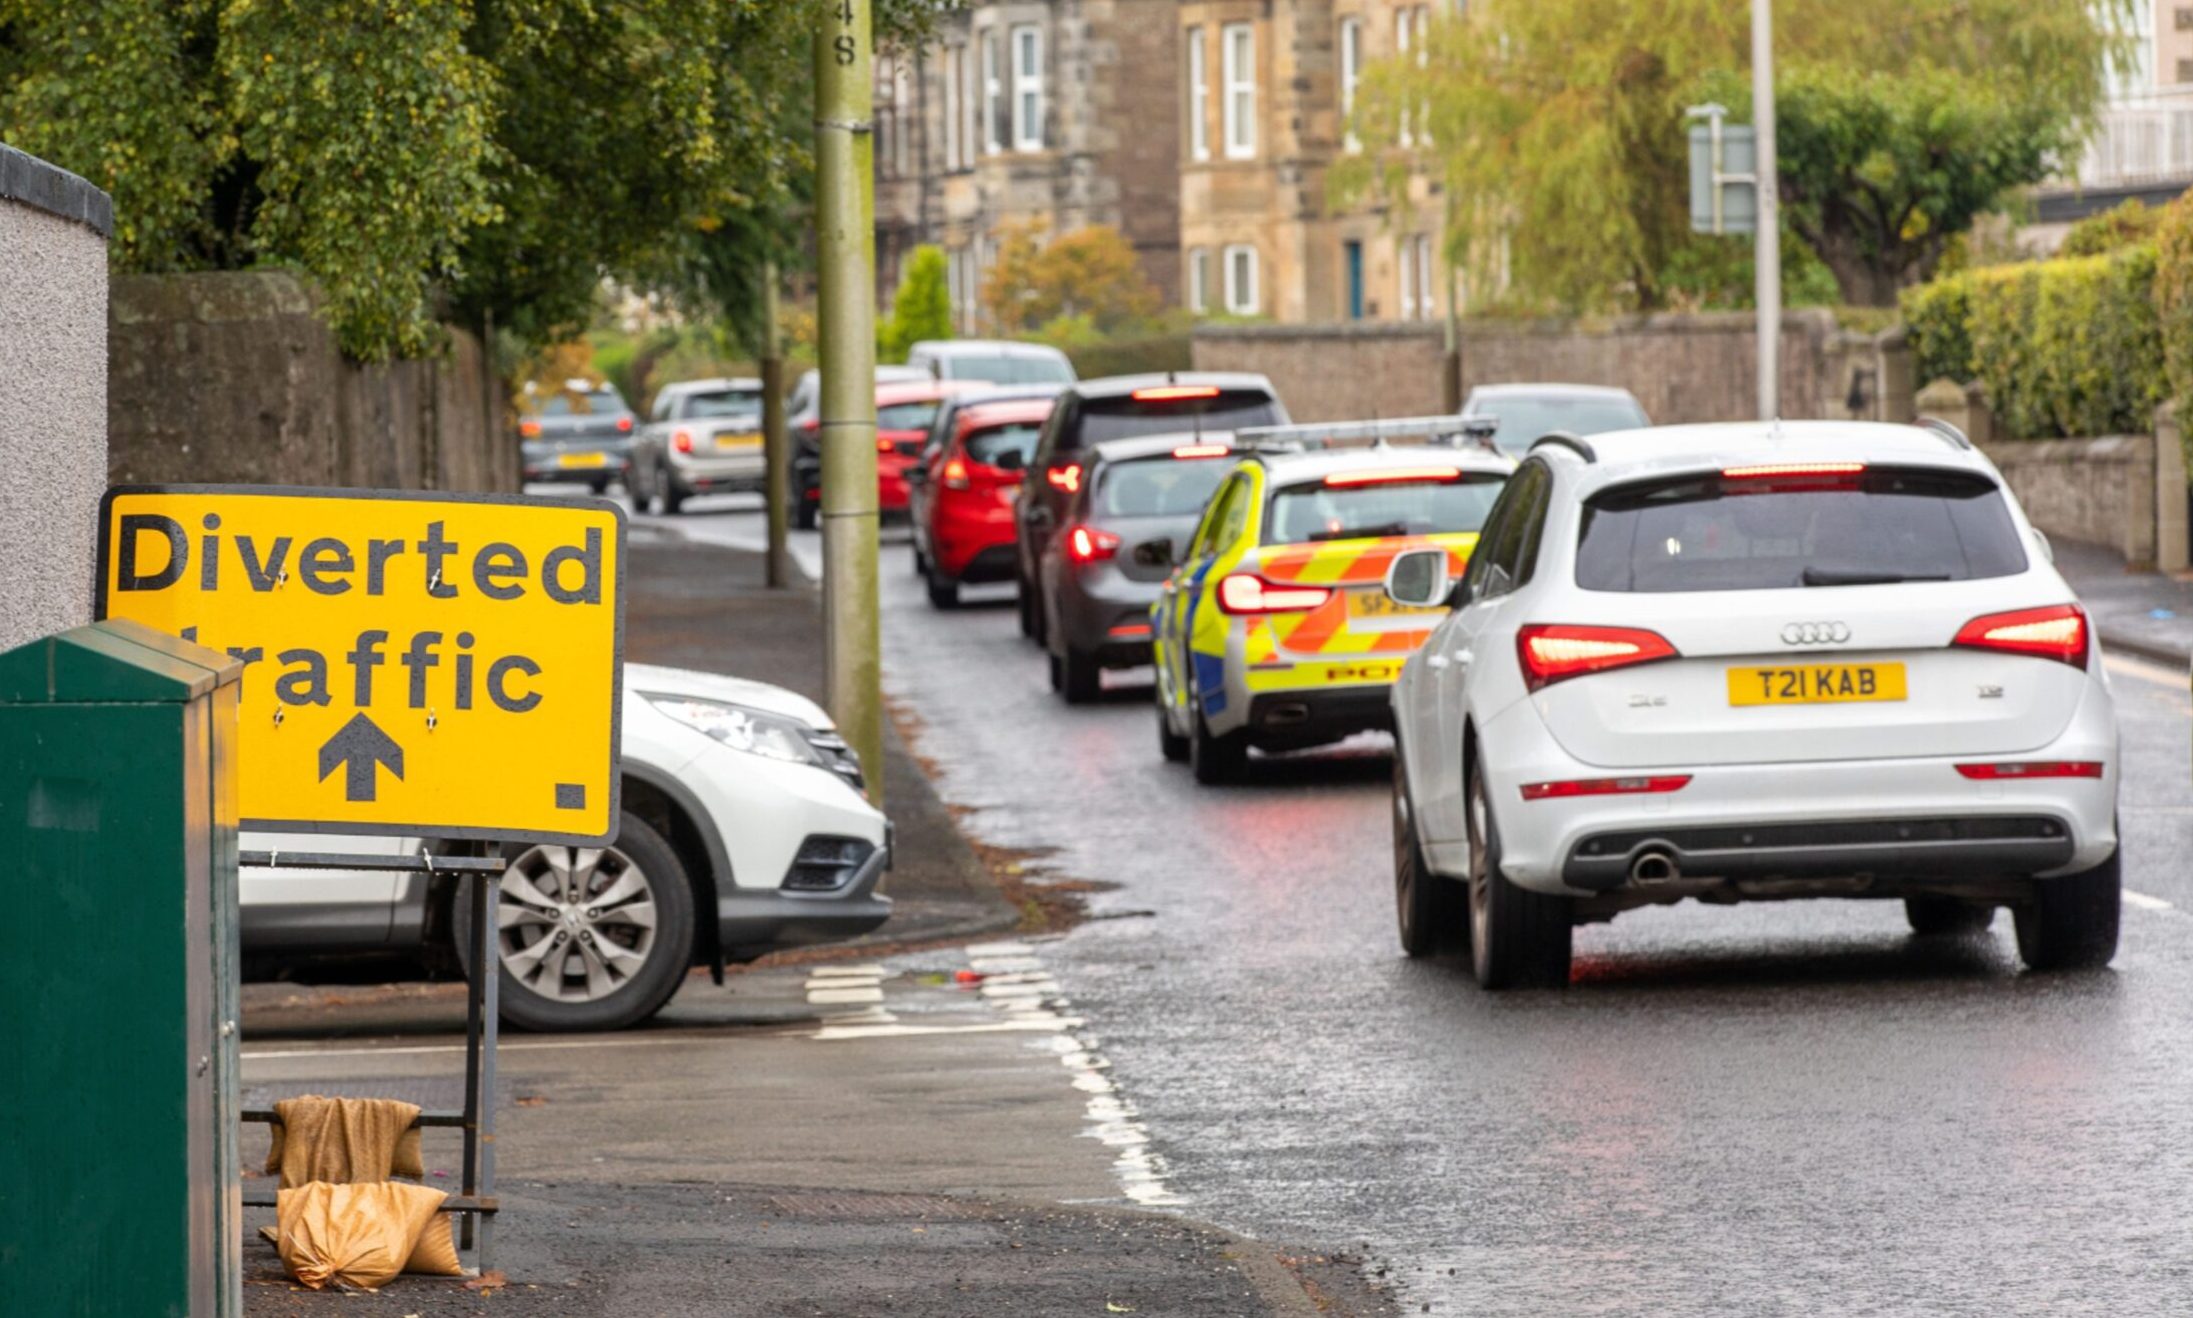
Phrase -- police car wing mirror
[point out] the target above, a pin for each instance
(1155, 553)
(1418, 578)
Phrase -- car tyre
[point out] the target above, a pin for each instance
(1430, 910)
(1946, 917)
(1216, 759)
(640, 857)
(1518, 938)
(2071, 923)
(1170, 744)
(1079, 677)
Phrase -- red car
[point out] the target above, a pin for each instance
(963, 508)
(904, 412)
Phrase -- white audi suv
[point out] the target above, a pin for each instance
(1752, 661)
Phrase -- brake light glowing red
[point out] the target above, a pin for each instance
(1245, 592)
(1555, 652)
(529, 429)
(1174, 393)
(1773, 469)
(2033, 769)
(1203, 450)
(682, 440)
(1088, 544)
(2057, 632)
(1673, 782)
(1066, 478)
(955, 475)
(624, 425)
(1395, 476)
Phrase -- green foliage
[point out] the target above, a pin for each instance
(921, 309)
(2127, 223)
(2069, 347)
(1937, 319)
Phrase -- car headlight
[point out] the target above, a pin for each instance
(759, 732)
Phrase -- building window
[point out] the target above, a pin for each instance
(1027, 88)
(1237, 53)
(1351, 73)
(1199, 98)
(993, 96)
(1241, 293)
(1199, 280)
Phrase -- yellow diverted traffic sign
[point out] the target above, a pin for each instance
(422, 665)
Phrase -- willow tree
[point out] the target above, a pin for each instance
(1557, 126)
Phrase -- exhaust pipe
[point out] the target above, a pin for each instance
(1654, 867)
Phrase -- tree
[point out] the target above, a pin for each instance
(1089, 274)
(920, 309)
(499, 157)
(1557, 126)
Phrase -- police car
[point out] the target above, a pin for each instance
(1273, 630)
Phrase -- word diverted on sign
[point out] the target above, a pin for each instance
(413, 664)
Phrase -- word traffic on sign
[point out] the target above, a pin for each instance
(414, 664)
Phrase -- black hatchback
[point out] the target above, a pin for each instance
(1089, 412)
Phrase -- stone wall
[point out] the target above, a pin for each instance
(1681, 367)
(53, 394)
(234, 378)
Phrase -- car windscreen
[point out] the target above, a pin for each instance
(1524, 420)
(724, 403)
(599, 402)
(1338, 509)
(907, 416)
(992, 445)
(1224, 409)
(1008, 370)
(1767, 530)
(1158, 487)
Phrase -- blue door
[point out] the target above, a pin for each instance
(1354, 251)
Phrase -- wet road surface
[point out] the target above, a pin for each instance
(1785, 1108)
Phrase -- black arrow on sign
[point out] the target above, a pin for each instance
(361, 745)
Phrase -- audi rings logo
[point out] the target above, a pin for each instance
(1816, 633)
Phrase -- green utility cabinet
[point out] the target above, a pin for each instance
(119, 1184)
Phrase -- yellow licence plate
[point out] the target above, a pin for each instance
(1815, 684)
(736, 441)
(1375, 604)
(582, 460)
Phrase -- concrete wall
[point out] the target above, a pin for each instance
(53, 393)
(235, 378)
(1682, 367)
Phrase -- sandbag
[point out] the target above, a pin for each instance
(361, 1236)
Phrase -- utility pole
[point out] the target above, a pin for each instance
(846, 256)
(1768, 260)
(775, 451)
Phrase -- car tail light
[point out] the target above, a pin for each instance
(2033, 769)
(955, 475)
(1174, 393)
(1395, 476)
(1245, 592)
(1203, 450)
(1554, 653)
(1673, 782)
(1066, 477)
(682, 440)
(2057, 632)
(1087, 544)
(624, 425)
(529, 429)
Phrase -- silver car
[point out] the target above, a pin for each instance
(701, 437)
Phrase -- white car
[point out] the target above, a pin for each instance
(739, 799)
(1740, 662)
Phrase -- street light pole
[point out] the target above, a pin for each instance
(1768, 261)
(845, 258)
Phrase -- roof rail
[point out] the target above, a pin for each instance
(1956, 437)
(1449, 430)
(1563, 439)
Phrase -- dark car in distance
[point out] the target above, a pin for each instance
(1091, 412)
(1136, 494)
(580, 433)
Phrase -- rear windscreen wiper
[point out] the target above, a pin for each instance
(1828, 576)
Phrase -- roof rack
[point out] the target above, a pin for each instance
(1956, 437)
(1447, 430)
(1563, 439)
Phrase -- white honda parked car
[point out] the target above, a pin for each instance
(1744, 662)
(744, 830)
